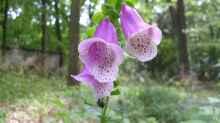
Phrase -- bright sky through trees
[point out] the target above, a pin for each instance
(84, 18)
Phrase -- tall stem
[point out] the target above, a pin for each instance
(104, 116)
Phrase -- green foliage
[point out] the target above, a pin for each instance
(109, 11)
(163, 104)
(116, 90)
(137, 102)
(204, 114)
(98, 17)
(203, 28)
(205, 62)
(151, 120)
(2, 116)
(90, 31)
(16, 84)
(131, 2)
(194, 121)
(166, 61)
(49, 96)
(152, 103)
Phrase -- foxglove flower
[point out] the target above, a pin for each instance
(102, 53)
(142, 38)
(100, 89)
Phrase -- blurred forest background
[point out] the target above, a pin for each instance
(39, 40)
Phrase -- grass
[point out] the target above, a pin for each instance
(47, 99)
(15, 86)
(42, 98)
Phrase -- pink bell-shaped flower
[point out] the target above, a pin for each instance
(102, 54)
(100, 89)
(142, 38)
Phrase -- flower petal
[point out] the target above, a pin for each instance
(104, 74)
(91, 51)
(131, 21)
(83, 77)
(103, 89)
(107, 32)
(154, 34)
(102, 58)
(141, 46)
(100, 89)
(119, 53)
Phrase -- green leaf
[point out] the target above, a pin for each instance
(118, 5)
(109, 10)
(116, 92)
(90, 31)
(97, 17)
(116, 83)
(131, 2)
(112, 2)
(59, 103)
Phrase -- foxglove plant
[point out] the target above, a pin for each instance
(142, 38)
(102, 55)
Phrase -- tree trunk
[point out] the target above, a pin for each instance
(173, 19)
(58, 32)
(45, 33)
(181, 28)
(1, 12)
(44, 39)
(73, 67)
(4, 27)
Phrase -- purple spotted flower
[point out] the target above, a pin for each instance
(100, 89)
(142, 38)
(102, 54)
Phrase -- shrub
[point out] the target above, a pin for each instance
(205, 62)
(152, 103)
(163, 104)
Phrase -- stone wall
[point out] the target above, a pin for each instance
(31, 59)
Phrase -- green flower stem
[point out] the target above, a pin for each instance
(104, 116)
